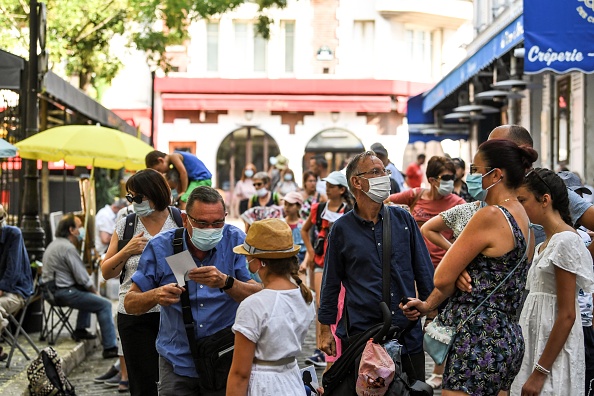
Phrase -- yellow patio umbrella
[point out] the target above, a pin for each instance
(86, 145)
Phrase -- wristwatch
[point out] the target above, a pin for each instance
(228, 283)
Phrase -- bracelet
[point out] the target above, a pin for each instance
(541, 369)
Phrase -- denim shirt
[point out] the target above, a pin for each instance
(15, 270)
(354, 258)
(212, 309)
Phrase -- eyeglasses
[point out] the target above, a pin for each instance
(258, 184)
(535, 172)
(446, 177)
(376, 172)
(474, 168)
(204, 224)
(135, 198)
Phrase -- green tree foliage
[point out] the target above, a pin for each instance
(79, 31)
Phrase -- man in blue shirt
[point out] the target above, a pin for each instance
(16, 283)
(216, 286)
(354, 258)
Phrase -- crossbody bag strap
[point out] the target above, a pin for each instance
(499, 285)
(178, 246)
(387, 250)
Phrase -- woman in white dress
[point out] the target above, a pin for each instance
(554, 362)
(270, 326)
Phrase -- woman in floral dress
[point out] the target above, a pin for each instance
(487, 351)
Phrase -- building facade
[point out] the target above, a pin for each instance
(333, 78)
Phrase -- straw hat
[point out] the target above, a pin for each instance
(269, 238)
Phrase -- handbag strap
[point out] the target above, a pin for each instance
(500, 283)
(387, 250)
(178, 246)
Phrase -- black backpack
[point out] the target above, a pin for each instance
(46, 376)
(131, 221)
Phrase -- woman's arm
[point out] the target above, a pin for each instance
(432, 230)
(565, 284)
(241, 367)
(114, 261)
(306, 239)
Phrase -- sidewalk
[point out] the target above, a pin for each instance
(13, 380)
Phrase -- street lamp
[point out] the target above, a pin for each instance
(33, 234)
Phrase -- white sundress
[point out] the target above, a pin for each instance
(565, 250)
(277, 322)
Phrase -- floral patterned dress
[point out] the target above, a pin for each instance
(487, 352)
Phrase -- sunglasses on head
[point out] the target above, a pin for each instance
(135, 198)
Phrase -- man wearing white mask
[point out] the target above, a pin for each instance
(63, 267)
(354, 259)
(216, 286)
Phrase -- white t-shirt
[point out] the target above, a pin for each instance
(276, 321)
(104, 222)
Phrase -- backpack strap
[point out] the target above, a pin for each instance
(178, 246)
(176, 215)
(131, 222)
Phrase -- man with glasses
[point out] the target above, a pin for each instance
(354, 259)
(216, 286)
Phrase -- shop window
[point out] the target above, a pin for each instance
(212, 47)
(563, 119)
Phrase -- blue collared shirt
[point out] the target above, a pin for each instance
(15, 270)
(354, 257)
(212, 309)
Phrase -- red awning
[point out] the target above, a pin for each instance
(363, 104)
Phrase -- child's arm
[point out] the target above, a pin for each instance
(241, 368)
(177, 160)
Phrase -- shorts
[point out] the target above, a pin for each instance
(193, 184)
(318, 270)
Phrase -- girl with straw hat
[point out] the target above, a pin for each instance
(270, 326)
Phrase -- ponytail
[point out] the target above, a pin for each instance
(305, 291)
(289, 266)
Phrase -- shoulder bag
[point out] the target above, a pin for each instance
(438, 339)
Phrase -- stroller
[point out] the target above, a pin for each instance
(341, 378)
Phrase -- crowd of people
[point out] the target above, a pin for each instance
(503, 257)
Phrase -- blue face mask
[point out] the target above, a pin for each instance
(206, 238)
(475, 185)
(143, 209)
(81, 233)
(248, 173)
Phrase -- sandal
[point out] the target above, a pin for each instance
(124, 387)
(434, 381)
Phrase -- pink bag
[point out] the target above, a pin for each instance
(376, 371)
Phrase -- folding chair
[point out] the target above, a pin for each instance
(15, 329)
(55, 319)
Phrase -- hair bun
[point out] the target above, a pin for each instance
(529, 156)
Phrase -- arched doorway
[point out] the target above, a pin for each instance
(244, 145)
(336, 144)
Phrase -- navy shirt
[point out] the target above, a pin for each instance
(354, 258)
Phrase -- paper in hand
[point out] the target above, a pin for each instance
(180, 264)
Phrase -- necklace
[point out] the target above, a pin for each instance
(546, 242)
(508, 199)
(557, 226)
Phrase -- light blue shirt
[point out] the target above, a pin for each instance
(577, 206)
(212, 309)
(397, 176)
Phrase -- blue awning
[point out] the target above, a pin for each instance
(504, 41)
(559, 36)
(414, 111)
(428, 137)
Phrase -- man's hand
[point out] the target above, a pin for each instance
(168, 294)
(208, 275)
(326, 342)
(464, 282)
(136, 245)
(414, 308)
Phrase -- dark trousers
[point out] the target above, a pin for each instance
(138, 335)
(589, 348)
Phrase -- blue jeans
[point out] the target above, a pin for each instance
(86, 303)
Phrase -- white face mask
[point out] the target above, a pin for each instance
(261, 192)
(330, 216)
(143, 209)
(445, 187)
(379, 188)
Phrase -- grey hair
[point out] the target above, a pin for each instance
(353, 166)
(205, 194)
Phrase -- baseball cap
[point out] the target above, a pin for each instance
(573, 182)
(337, 178)
(294, 197)
(379, 149)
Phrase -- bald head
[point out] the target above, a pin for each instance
(517, 134)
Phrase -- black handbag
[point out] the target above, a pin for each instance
(340, 379)
(213, 354)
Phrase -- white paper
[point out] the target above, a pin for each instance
(314, 378)
(180, 264)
